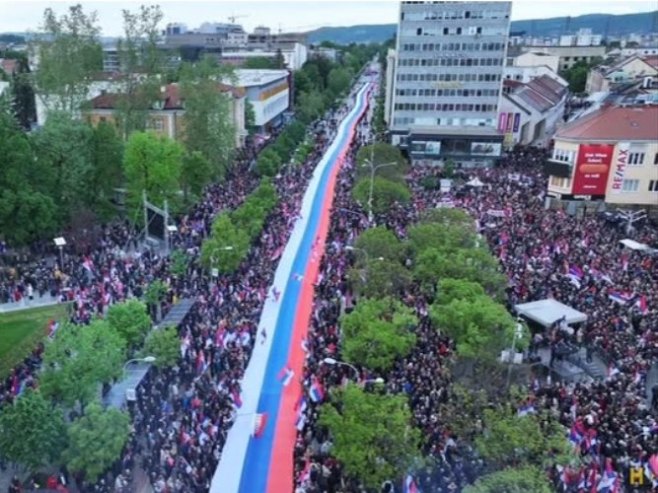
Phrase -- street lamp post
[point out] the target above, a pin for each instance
(518, 333)
(332, 362)
(145, 359)
(373, 170)
(213, 260)
(60, 243)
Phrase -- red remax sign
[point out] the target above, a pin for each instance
(592, 169)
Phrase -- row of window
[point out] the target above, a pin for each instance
(444, 107)
(449, 122)
(466, 93)
(452, 46)
(633, 185)
(450, 62)
(627, 185)
(634, 158)
(452, 15)
(449, 77)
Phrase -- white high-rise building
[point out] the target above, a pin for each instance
(447, 82)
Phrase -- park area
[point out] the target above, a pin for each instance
(21, 331)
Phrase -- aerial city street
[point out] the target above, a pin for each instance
(329, 247)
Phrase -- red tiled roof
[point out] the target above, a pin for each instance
(614, 123)
(652, 60)
(8, 65)
(170, 96)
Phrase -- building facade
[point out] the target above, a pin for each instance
(268, 92)
(448, 79)
(168, 114)
(530, 112)
(610, 155)
(628, 71)
(568, 56)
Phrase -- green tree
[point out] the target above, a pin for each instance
(79, 359)
(381, 153)
(22, 93)
(259, 62)
(338, 81)
(449, 217)
(152, 164)
(480, 327)
(512, 480)
(372, 434)
(96, 440)
(310, 105)
(531, 439)
(69, 54)
(153, 296)
(268, 163)
(457, 289)
(32, 431)
(64, 146)
(377, 332)
(27, 211)
(470, 264)
(227, 246)
(107, 164)
(249, 117)
(385, 193)
(196, 173)
(178, 262)
(443, 237)
(379, 278)
(142, 64)
(130, 320)
(379, 242)
(164, 344)
(208, 125)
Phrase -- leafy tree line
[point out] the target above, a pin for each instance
(381, 330)
(233, 233)
(280, 151)
(76, 362)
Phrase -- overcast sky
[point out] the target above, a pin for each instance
(25, 15)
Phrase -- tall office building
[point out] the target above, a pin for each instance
(447, 82)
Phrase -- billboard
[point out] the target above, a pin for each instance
(592, 169)
(486, 148)
(619, 167)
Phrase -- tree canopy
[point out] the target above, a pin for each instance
(385, 193)
(164, 344)
(79, 359)
(377, 332)
(130, 320)
(512, 480)
(96, 440)
(372, 434)
(32, 431)
(378, 242)
(152, 164)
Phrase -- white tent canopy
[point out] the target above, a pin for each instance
(633, 245)
(547, 311)
(475, 182)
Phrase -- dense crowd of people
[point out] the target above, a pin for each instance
(181, 415)
(545, 253)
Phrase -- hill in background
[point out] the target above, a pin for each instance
(606, 24)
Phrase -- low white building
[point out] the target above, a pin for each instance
(537, 59)
(268, 91)
(530, 113)
(526, 74)
(294, 55)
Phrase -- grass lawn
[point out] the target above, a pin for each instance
(21, 331)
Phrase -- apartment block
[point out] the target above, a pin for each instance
(447, 82)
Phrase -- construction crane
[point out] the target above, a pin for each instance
(233, 17)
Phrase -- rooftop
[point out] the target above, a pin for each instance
(614, 123)
(258, 77)
(170, 96)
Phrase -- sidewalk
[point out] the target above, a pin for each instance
(25, 304)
